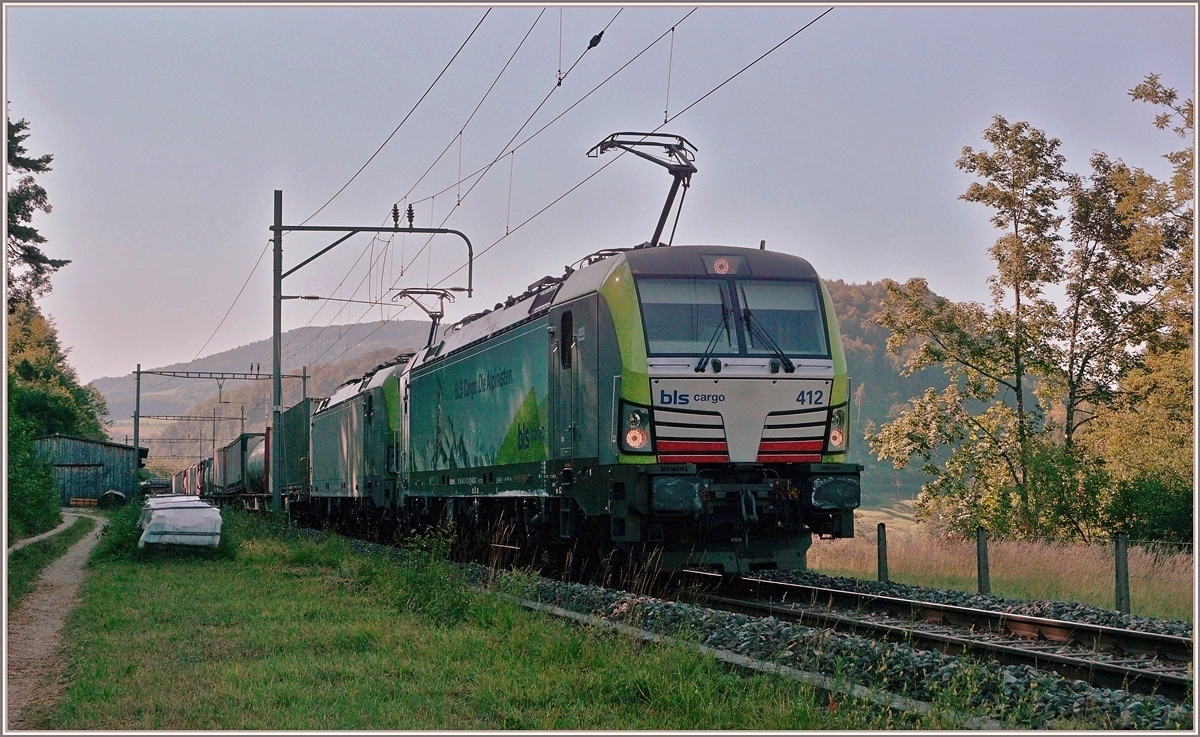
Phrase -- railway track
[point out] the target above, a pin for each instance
(1108, 657)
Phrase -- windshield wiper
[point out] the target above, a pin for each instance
(712, 342)
(756, 328)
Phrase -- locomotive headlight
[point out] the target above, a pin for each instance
(637, 438)
(635, 435)
(837, 431)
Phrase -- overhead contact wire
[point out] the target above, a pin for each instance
(477, 106)
(402, 122)
(483, 169)
(673, 117)
(504, 150)
(765, 55)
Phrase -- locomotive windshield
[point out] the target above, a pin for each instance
(732, 316)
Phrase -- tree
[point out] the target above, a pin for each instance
(1122, 279)
(986, 416)
(29, 268)
(33, 499)
(43, 389)
(1023, 181)
(1145, 435)
(1013, 464)
(1170, 208)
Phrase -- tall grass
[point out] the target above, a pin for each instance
(1161, 584)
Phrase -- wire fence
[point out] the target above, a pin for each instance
(1159, 575)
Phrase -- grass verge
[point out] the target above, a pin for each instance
(277, 631)
(26, 565)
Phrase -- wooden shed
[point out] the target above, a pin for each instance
(85, 469)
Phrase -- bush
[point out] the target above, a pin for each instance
(33, 496)
(1151, 508)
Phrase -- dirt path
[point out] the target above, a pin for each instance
(68, 520)
(35, 673)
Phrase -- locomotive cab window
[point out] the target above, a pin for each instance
(789, 312)
(683, 315)
(732, 316)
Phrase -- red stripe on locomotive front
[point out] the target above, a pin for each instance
(775, 446)
(692, 446)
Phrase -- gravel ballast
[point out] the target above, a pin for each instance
(1064, 610)
(997, 691)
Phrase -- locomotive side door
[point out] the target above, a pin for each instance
(563, 371)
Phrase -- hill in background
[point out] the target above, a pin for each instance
(877, 387)
(308, 346)
(176, 444)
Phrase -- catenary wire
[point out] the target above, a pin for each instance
(697, 101)
(439, 158)
(505, 150)
(614, 159)
(477, 106)
(556, 118)
(402, 122)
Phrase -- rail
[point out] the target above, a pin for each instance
(1139, 662)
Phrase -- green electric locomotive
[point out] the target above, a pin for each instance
(687, 403)
(684, 406)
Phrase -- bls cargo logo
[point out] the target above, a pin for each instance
(679, 398)
(528, 435)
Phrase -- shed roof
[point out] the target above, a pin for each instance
(85, 440)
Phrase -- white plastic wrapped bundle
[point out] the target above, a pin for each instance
(180, 520)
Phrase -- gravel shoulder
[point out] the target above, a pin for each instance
(35, 673)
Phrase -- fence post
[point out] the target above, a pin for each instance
(883, 571)
(981, 554)
(1122, 555)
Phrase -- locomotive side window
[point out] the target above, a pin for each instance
(566, 339)
(683, 315)
(788, 311)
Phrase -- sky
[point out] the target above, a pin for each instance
(171, 127)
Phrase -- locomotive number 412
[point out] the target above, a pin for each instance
(810, 396)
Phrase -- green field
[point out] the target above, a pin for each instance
(273, 631)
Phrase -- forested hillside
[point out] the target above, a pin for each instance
(877, 386)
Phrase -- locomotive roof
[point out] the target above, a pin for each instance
(672, 260)
(688, 261)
